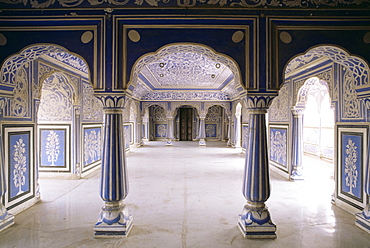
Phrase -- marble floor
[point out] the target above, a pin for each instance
(187, 196)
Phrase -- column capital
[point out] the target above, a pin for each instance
(259, 102)
(112, 100)
(297, 111)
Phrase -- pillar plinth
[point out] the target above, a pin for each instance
(255, 220)
(114, 219)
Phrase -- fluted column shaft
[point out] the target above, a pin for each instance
(255, 221)
(297, 144)
(114, 220)
(114, 183)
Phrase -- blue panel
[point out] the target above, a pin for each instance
(128, 138)
(92, 145)
(19, 168)
(351, 161)
(278, 145)
(211, 130)
(160, 130)
(53, 148)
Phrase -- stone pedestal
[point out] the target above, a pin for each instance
(363, 220)
(255, 222)
(6, 219)
(114, 221)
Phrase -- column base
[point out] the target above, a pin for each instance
(363, 219)
(202, 142)
(6, 219)
(297, 175)
(169, 142)
(114, 221)
(256, 223)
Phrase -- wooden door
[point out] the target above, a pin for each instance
(186, 124)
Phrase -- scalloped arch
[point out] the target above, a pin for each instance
(12, 63)
(135, 83)
(357, 65)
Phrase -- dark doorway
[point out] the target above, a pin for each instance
(186, 124)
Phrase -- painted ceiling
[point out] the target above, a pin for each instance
(186, 74)
(186, 71)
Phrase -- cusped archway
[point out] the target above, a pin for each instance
(185, 72)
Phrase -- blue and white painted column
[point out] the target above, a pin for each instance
(114, 220)
(6, 219)
(363, 218)
(297, 144)
(238, 129)
(202, 130)
(169, 130)
(255, 221)
(229, 142)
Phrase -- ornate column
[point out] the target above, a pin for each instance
(114, 220)
(363, 218)
(146, 126)
(202, 130)
(169, 130)
(229, 143)
(255, 221)
(237, 130)
(6, 219)
(140, 131)
(297, 144)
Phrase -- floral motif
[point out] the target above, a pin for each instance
(213, 114)
(92, 107)
(185, 95)
(161, 130)
(70, 60)
(56, 100)
(20, 166)
(158, 113)
(351, 105)
(19, 104)
(192, 3)
(278, 151)
(350, 165)
(92, 146)
(52, 147)
(280, 105)
(211, 130)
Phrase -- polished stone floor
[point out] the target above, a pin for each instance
(187, 196)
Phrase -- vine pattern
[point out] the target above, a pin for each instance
(56, 99)
(190, 3)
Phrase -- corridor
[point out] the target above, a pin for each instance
(185, 196)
